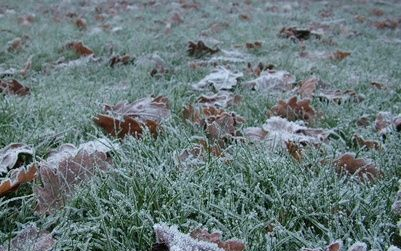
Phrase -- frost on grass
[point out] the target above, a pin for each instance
(199, 240)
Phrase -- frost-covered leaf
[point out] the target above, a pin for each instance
(67, 168)
(308, 87)
(341, 96)
(13, 87)
(358, 246)
(369, 144)
(294, 109)
(17, 177)
(32, 239)
(130, 118)
(199, 240)
(221, 99)
(199, 49)
(272, 81)
(297, 34)
(347, 163)
(121, 60)
(13, 156)
(385, 122)
(219, 79)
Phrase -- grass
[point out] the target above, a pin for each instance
(259, 195)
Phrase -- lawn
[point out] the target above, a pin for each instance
(231, 167)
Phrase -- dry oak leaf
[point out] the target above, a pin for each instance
(308, 87)
(17, 177)
(347, 163)
(67, 168)
(253, 45)
(79, 48)
(339, 55)
(219, 79)
(340, 96)
(272, 81)
(130, 118)
(123, 60)
(221, 99)
(13, 87)
(13, 155)
(199, 240)
(280, 130)
(297, 34)
(81, 23)
(385, 122)
(30, 238)
(199, 49)
(369, 144)
(294, 109)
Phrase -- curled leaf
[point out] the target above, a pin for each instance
(12, 156)
(18, 177)
(294, 109)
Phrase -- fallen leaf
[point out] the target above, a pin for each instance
(363, 121)
(358, 246)
(64, 170)
(30, 238)
(297, 34)
(339, 55)
(341, 96)
(308, 87)
(221, 99)
(377, 12)
(15, 45)
(17, 177)
(14, 156)
(200, 240)
(253, 45)
(347, 163)
(378, 85)
(219, 79)
(258, 69)
(130, 118)
(81, 23)
(271, 81)
(199, 49)
(79, 48)
(369, 144)
(294, 150)
(385, 122)
(386, 24)
(121, 60)
(294, 109)
(255, 133)
(13, 87)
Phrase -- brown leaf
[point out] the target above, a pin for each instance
(199, 49)
(30, 238)
(220, 100)
(377, 12)
(363, 121)
(341, 96)
(197, 240)
(385, 122)
(121, 60)
(79, 48)
(258, 69)
(369, 144)
(378, 86)
(253, 45)
(13, 87)
(144, 113)
(255, 133)
(347, 163)
(16, 44)
(386, 24)
(272, 80)
(81, 23)
(297, 34)
(308, 87)
(63, 171)
(18, 177)
(294, 150)
(244, 17)
(294, 109)
(339, 55)
(13, 156)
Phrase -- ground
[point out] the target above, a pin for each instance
(254, 192)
